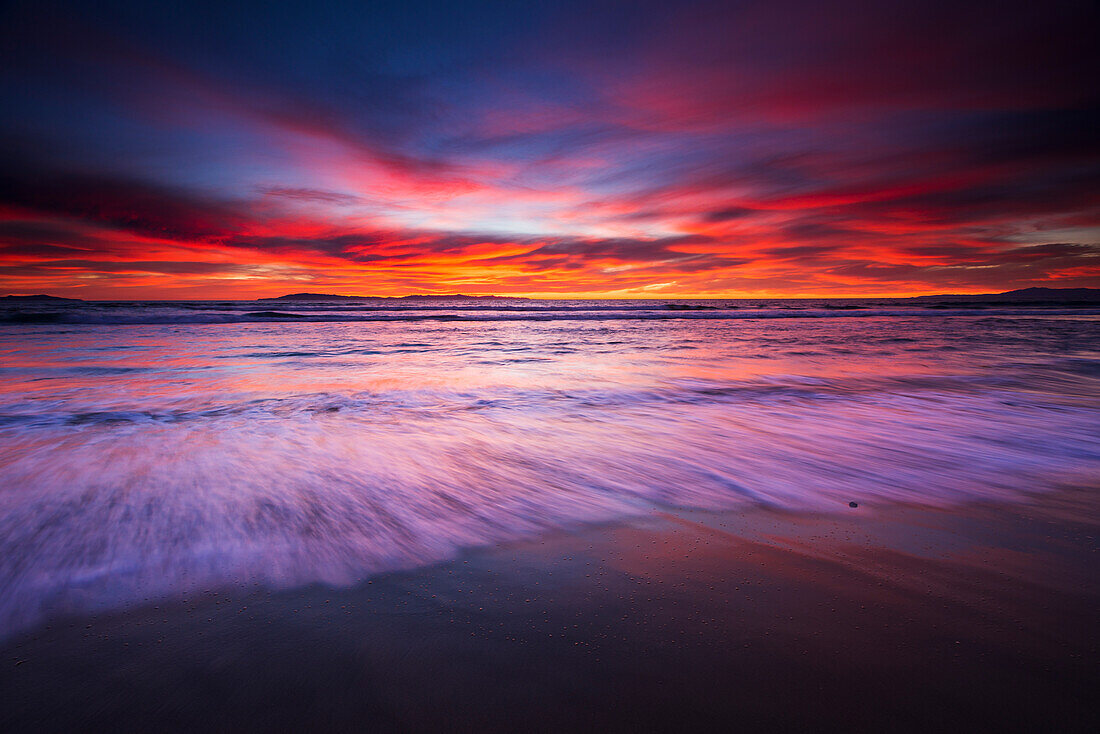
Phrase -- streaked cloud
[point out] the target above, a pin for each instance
(708, 149)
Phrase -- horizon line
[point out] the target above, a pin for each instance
(669, 297)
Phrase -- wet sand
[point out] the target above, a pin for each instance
(868, 619)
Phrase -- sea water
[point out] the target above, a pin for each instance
(151, 449)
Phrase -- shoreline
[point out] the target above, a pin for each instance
(899, 617)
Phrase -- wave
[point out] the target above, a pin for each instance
(102, 508)
(773, 392)
(152, 461)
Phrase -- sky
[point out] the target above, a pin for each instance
(216, 150)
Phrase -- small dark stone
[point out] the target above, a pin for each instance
(853, 504)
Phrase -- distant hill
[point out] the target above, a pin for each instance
(1024, 295)
(40, 298)
(413, 297)
(312, 297)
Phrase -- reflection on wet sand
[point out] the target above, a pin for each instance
(756, 619)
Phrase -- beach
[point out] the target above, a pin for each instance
(886, 618)
(548, 516)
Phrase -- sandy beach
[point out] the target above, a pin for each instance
(887, 618)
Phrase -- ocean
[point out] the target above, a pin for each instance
(149, 450)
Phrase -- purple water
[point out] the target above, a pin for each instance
(148, 450)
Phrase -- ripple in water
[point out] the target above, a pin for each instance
(146, 461)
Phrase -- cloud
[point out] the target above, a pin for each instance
(787, 147)
(314, 195)
(142, 207)
(46, 267)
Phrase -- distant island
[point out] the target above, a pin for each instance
(411, 297)
(1023, 295)
(41, 297)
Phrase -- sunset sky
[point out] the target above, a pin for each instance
(633, 149)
